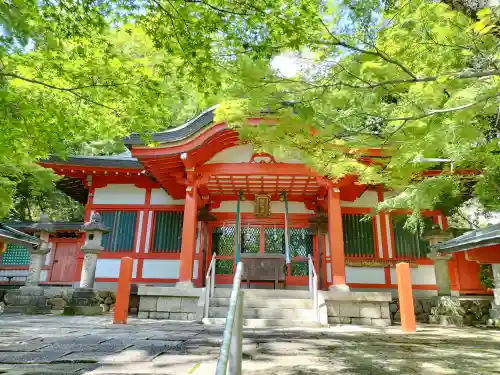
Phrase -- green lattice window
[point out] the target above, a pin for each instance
(167, 235)
(406, 243)
(250, 239)
(301, 242)
(16, 255)
(274, 240)
(299, 269)
(358, 236)
(122, 230)
(223, 245)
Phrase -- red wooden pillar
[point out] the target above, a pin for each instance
(123, 291)
(336, 241)
(188, 246)
(406, 308)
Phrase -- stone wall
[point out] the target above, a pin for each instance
(169, 303)
(174, 308)
(361, 313)
(56, 298)
(361, 308)
(475, 309)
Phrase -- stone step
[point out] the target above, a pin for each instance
(264, 313)
(266, 323)
(265, 293)
(279, 303)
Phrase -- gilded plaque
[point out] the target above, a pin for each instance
(262, 205)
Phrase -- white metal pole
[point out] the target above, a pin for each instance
(235, 351)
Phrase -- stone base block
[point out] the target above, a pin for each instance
(359, 309)
(495, 313)
(338, 320)
(174, 303)
(83, 302)
(26, 300)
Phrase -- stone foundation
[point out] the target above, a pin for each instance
(361, 308)
(55, 299)
(475, 309)
(171, 303)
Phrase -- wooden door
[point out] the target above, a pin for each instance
(64, 261)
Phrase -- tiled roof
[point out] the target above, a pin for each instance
(104, 161)
(11, 235)
(471, 240)
(179, 133)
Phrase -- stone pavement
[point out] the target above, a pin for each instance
(93, 346)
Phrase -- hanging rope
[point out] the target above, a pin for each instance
(288, 257)
(237, 243)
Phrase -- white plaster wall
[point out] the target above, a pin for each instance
(242, 154)
(195, 269)
(43, 275)
(119, 194)
(17, 275)
(365, 275)
(148, 232)
(276, 207)
(236, 154)
(110, 268)
(378, 227)
(139, 229)
(367, 199)
(161, 268)
(422, 275)
(48, 256)
(160, 196)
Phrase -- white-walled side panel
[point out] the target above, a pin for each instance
(48, 256)
(134, 268)
(198, 238)
(365, 275)
(139, 230)
(421, 275)
(236, 154)
(161, 268)
(148, 232)
(367, 199)
(328, 272)
(119, 194)
(43, 275)
(195, 269)
(327, 246)
(379, 236)
(160, 196)
(276, 207)
(243, 154)
(109, 268)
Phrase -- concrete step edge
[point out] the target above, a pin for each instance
(263, 323)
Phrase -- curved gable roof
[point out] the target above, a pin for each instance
(179, 133)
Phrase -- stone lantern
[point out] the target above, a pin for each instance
(42, 229)
(92, 247)
(434, 236)
(30, 298)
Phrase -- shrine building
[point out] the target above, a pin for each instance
(200, 191)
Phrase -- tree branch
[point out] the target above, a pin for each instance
(433, 112)
(377, 52)
(220, 10)
(70, 90)
(463, 75)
